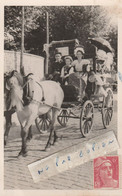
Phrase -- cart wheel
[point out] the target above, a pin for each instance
(42, 123)
(86, 118)
(63, 117)
(107, 108)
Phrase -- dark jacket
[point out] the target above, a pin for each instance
(56, 70)
(57, 66)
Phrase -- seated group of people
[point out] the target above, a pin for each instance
(78, 73)
(61, 70)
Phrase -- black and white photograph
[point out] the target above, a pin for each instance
(60, 97)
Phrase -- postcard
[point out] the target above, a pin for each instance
(61, 82)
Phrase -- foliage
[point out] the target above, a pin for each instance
(65, 22)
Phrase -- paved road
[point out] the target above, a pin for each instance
(17, 175)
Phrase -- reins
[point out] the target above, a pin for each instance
(43, 99)
(26, 82)
(43, 103)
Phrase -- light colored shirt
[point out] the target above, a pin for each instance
(79, 65)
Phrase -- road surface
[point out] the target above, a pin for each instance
(16, 173)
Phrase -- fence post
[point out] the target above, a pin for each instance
(22, 44)
(47, 52)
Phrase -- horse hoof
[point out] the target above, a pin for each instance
(56, 143)
(52, 142)
(23, 154)
(58, 139)
(47, 148)
(28, 139)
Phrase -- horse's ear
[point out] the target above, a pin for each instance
(13, 72)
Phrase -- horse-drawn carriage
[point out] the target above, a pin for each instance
(98, 94)
(85, 91)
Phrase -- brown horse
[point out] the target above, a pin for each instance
(47, 96)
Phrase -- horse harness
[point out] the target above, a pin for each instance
(29, 91)
(29, 94)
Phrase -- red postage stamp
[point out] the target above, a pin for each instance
(106, 172)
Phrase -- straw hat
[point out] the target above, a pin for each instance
(68, 57)
(101, 55)
(79, 48)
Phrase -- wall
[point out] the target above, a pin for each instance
(32, 63)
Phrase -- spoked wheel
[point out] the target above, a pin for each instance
(107, 108)
(86, 118)
(63, 117)
(42, 123)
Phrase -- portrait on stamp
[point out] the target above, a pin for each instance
(106, 172)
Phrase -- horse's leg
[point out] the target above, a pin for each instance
(29, 137)
(56, 138)
(52, 136)
(24, 134)
(8, 126)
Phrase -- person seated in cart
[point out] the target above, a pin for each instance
(101, 67)
(101, 58)
(81, 68)
(56, 68)
(66, 70)
(78, 63)
(99, 77)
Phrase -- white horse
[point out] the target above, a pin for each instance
(47, 96)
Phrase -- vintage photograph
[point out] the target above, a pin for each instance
(60, 98)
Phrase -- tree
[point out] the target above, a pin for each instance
(13, 22)
(65, 22)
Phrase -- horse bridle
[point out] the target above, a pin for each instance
(28, 80)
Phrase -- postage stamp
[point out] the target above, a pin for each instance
(106, 172)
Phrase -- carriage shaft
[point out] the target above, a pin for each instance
(77, 117)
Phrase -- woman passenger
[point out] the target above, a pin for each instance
(78, 63)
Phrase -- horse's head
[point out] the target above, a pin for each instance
(14, 80)
(14, 84)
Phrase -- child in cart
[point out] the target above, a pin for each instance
(66, 70)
